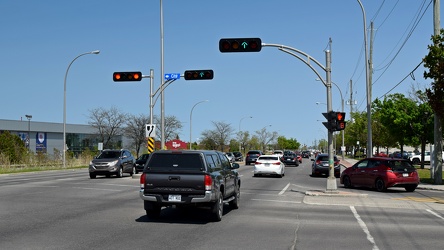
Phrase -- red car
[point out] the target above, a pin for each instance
(381, 173)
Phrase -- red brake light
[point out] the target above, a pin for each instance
(277, 163)
(208, 182)
(142, 180)
(257, 162)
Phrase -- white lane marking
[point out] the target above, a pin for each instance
(437, 215)
(285, 189)
(295, 202)
(364, 228)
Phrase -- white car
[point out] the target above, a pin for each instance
(269, 165)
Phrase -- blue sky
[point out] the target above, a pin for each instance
(41, 38)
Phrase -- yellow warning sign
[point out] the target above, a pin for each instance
(150, 145)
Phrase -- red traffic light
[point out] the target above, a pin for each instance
(127, 76)
(340, 116)
(240, 45)
(207, 74)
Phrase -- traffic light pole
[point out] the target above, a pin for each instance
(331, 180)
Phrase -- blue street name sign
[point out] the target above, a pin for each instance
(172, 76)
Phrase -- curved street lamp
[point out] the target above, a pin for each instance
(191, 114)
(64, 103)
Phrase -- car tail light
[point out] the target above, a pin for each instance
(142, 180)
(208, 183)
(277, 163)
(318, 162)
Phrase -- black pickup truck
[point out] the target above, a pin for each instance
(189, 177)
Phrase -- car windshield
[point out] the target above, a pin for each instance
(400, 165)
(268, 158)
(109, 155)
(325, 158)
(143, 157)
(176, 161)
(253, 153)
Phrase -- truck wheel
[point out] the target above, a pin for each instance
(415, 161)
(218, 208)
(234, 204)
(153, 212)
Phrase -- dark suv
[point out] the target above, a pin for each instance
(112, 162)
(252, 156)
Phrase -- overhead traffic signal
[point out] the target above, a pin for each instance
(340, 121)
(240, 45)
(206, 74)
(127, 76)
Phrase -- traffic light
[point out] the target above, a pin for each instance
(240, 45)
(206, 74)
(340, 123)
(127, 76)
(330, 124)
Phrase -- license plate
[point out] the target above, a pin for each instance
(174, 197)
(405, 174)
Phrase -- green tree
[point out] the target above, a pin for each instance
(396, 112)
(434, 61)
(12, 148)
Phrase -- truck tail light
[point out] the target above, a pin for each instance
(142, 180)
(208, 183)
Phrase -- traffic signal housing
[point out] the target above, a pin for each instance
(127, 76)
(240, 45)
(206, 74)
(330, 124)
(340, 121)
(335, 121)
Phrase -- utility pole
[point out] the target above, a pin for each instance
(436, 166)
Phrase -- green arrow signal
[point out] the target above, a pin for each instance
(201, 74)
(244, 44)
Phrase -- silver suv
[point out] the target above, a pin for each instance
(112, 162)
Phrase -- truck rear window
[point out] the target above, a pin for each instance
(176, 161)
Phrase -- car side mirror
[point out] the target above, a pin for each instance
(235, 165)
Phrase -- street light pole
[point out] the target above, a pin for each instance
(368, 88)
(240, 148)
(64, 103)
(29, 117)
(191, 114)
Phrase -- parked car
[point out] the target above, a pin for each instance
(321, 166)
(238, 156)
(230, 157)
(398, 155)
(290, 159)
(416, 159)
(252, 156)
(140, 162)
(381, 173)
(269, 165)
(112, 162)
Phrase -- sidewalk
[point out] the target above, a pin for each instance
(348, 162)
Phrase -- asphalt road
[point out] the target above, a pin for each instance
(67, 210)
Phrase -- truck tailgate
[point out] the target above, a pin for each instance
(169, 183)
